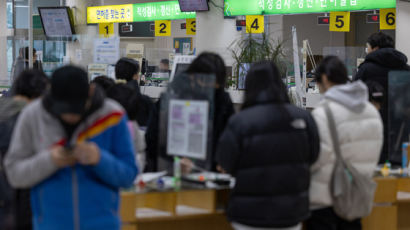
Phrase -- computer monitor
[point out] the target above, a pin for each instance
(181, 64)
(193, 5)
(57, 21)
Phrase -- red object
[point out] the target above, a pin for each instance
(326, 20)
(201, 178)
(375, 18)
(240, 22)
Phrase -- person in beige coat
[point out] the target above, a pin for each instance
(360, 130)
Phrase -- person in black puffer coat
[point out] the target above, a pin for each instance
(382, 58)
(268, 147)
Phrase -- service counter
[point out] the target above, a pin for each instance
(193, 208)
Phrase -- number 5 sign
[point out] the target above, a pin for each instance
(340, 21)
(255, 24)
(163, 28)
(387, 19)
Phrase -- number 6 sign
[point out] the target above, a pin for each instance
(340, 21)
(387, 19)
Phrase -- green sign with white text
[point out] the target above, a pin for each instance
(260, 7)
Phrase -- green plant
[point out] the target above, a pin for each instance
(254, 48)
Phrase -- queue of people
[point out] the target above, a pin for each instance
(73, 144)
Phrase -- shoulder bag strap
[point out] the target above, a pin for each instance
(333, 131)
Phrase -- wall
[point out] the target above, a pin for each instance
(402, 31)
(4, 80)
(307, 28)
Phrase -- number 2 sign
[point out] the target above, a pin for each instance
(163, 28)
(255, 24)
(340, 21)
(387, 19)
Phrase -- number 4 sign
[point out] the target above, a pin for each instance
(387, 19)
(340, 21)
(255, 24)
(163, 28)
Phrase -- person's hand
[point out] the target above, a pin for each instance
(186, 165)
(220, 169)
(87, 153)
(62, 158)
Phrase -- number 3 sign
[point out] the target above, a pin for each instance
(387, 19)
(340, 21)
(163, 28)
(255, 24)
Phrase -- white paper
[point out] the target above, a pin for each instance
(106, 50)
(188, 128)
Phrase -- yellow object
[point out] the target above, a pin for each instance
(387, 19)
(340, 21)
(163, 28)
(191, 26)
(106, 30)
(255, 24)
(107, 14)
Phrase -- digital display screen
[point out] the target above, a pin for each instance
(260, 7)
(193, 5)
(181, 68)
(56, 22)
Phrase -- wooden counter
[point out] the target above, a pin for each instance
(204, 209)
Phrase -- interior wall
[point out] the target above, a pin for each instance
(4, 80)
(402, 31)
(307, 28)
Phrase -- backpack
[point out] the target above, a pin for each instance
(352, 192)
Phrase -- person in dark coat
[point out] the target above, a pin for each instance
(268, 147)
(15, 211)
(382, 58)
(206, 63)
(128, 70)
(22, 62)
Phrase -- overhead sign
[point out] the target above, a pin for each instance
(259, 7)
(340, 21)
(191, 26)
(139, 12)
(255, 24)
(163, 28)
(388, 19)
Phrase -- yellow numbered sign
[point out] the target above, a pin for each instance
(163, 28)
(340, 21)
(255, 24)
(387, 19)
(191, 26)
(106, 30)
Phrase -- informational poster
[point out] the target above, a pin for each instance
(188, 128)
(259, 7)
(106, 50)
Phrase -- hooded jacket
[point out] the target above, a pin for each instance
(79, 197)
(360, 131)
(269, 149)
(376, 67)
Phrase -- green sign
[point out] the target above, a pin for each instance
(260, 7)
(139, 12)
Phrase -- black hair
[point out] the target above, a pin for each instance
(127, 97)
(381, 40)
(376, 92)
(126, 68)
(334, 69)
(165, 61)
(104, 82)
(26, 52)
(209, 63)
(264, 78)
(31, 84)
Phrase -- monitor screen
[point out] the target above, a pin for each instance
(193, 5)
(56, 21)
(181, 68)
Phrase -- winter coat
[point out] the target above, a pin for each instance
(269, 149)
(360, 131)
(79, 197)
(376, 67)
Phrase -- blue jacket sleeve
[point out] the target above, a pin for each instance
(118, 168)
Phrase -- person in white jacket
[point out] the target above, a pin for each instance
(360, 131)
